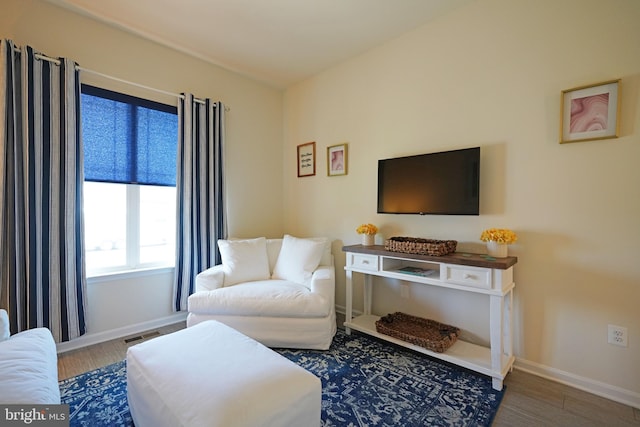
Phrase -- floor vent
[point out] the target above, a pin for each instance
(141, 337)
(151, 334)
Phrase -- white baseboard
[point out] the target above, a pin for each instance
(340, 309)
(617, 394)
(91, 339)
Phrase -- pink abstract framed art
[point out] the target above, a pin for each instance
(337, 159)
(590, 112)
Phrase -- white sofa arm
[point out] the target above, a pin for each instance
(29, 368)
(323, 282)
(210, 279)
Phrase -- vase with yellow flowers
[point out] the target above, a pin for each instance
(497, 240)
(368, 232)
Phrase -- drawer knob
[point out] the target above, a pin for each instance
(468, 276)
(365, 262)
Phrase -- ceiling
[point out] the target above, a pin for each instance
(279, 42)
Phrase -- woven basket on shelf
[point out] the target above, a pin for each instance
(432, 335)
(412, 245)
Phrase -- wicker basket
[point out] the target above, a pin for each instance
(412, 245)
(432, 335)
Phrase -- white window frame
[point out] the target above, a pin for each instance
(132, 242)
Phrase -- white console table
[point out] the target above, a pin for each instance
(460, 271)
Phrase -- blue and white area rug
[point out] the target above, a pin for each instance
(365, 382)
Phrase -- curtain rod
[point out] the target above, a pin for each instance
(177, 95)
(86, 70)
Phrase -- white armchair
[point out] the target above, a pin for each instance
(280, 292)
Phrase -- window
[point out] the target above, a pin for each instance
(129, 189)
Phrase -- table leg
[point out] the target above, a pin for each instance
(349, 302)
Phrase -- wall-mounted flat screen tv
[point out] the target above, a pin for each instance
(443, 183)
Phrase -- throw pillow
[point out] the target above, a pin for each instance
(298, 259)
(244, 260)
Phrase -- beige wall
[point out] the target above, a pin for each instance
(254, 133)
(490, 75)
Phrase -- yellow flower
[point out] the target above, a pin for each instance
(367, 229)
(498, 235)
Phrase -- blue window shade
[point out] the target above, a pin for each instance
(128, 140)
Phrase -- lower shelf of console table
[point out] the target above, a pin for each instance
(471, 356)
(459, 272)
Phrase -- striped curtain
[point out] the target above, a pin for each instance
(200, 193)
(41, 172)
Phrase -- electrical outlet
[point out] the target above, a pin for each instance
(617, 335)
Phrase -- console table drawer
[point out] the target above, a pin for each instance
(469, 276)
(364, 262)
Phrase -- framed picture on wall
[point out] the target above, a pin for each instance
(337, 159)
(307, 159)
(590, 112)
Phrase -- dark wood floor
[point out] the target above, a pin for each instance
(528, 401)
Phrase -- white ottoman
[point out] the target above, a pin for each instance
(212, 375)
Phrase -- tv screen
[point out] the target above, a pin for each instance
(444, 183)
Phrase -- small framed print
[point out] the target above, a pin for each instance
(337, 160)
(307, 159)
(590, 112)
